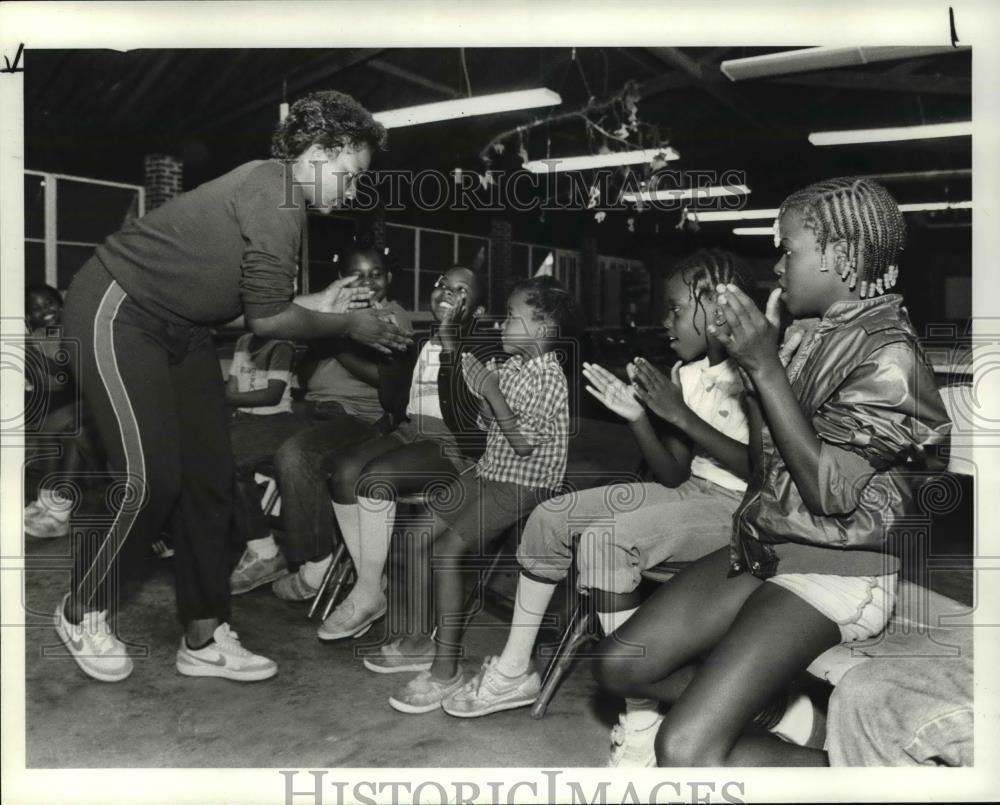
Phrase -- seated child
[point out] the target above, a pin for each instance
(835, 437)
(698, 477)
(54, 418)
(435, 440)
(342, 405)
(526, 410)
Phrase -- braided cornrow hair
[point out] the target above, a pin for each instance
(864, 215)
(706, 268)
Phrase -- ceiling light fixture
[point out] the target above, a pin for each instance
(754, 230)
(894, 134)
(688, 194)
(731, 215)
(804, 60)
(467, 107)
(609, 160)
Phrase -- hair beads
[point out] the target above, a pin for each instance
(864, 215)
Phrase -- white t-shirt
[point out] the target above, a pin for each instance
(253, 369)
(713, 393)
(424, 399)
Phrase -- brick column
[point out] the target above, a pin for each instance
(501, 235)
(164, 179)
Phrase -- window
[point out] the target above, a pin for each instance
(67, 217)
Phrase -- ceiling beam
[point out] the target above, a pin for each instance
(414, 78)
(882, 82)
(710, 79)
(272, 95)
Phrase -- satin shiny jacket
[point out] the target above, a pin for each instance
(865, 385)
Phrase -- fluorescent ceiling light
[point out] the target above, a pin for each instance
(467, 107)
(930, 206)
(891, 134)
(754, 230)
(687, 194)
(804, 60)
(731, 215)
(608, 160)
(710, 216)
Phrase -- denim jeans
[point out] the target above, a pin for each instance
(906, 711)
(303, 464)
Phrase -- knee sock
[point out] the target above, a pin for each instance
(376, 518)
(530, 603)
(639, 713)
(347, 519)
(265, 548)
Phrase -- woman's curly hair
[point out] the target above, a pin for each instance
(328, 119)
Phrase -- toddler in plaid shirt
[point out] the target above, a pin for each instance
(525, 410)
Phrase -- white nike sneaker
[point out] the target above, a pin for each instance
(93, 645)
(224, 657)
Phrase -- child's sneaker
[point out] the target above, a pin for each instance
(391, 659)
(491, 691)
(254, 570)
(424, 693)
(633, 748)
(347, 621)
(93, 645)
(292, 587)
(40, 523)
(224, 657)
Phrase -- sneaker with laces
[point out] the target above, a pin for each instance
(633, 748)
(224, 657)
(293, 587)
(93, 645)
(40, 523)
(347, 620)
(424, 693)
(254, 570)
(491, 691)
(392, 659)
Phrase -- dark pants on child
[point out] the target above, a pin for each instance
(157, 397)
(303, 464)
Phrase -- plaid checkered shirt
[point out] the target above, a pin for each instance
(537, 393)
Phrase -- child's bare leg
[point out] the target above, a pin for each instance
(450, 584)
(771, 641)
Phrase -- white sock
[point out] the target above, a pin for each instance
(796, 724)
(59, 506)
(641, 713)
(265, 548)
(376, 518)
(347, 519)
(312, 572)
(530, 603)
(612, 621)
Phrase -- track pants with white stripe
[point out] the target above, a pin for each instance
(156, 394)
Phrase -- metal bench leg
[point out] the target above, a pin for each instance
(334, 566)
(346, 570)
(574, 636)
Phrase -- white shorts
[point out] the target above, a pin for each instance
(860, 605)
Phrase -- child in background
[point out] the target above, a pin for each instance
(838, 434)
(525, 410)
(436, 439)
(341, 408)
(53, 413)
(698, 470)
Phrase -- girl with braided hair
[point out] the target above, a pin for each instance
(836, 433)
(692, 432)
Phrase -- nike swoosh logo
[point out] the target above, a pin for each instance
(220, 661)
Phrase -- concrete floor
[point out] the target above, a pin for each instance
(322, 710)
